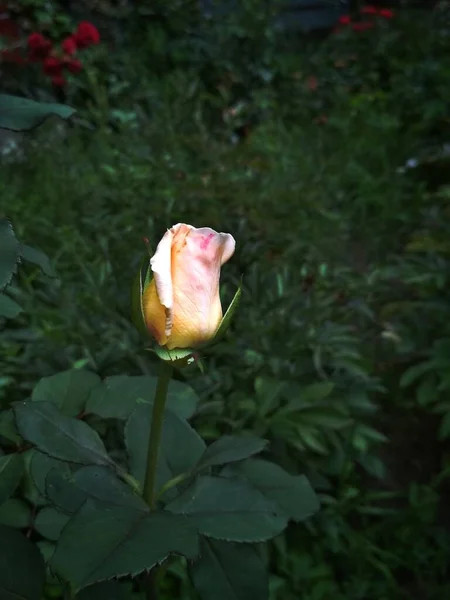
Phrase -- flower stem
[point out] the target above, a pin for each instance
(155, 431)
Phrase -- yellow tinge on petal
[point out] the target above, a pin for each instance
(155, 314)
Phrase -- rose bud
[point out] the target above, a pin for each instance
(181, 305)
(38, 45)
(86, 35)
(74, 65)
(69, 45)
(53, 66)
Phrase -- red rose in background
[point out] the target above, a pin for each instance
(362, 26)
(387, 13)
(69, 45)
(345, 20)
(86, 35)
(74, 65)
(38, 45)
(56, 58)
(53, 66)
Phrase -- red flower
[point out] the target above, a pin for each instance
(74, 65)
(58, 81)
(38, 45)
(53, 66)
(345, 20)
(369, 10)
(387, 13)
(86, 35)
(69, 45)
(362, 26)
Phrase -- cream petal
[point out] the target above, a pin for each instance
(196, 263)
(160, 264)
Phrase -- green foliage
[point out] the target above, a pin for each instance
(49, 523)
(37, 257)
(108, 590)
(126, 542)
(9, 308)
(15, 513)
(69, 491)
(181, 447)
(69, 390)
(230, 449)
(64, 438)
(9, 253)
(328, 161)
(229, 509)
(229, 572)
(16, 551)
(88, 506)
(121, 394)
(293, 494)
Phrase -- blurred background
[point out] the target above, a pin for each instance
(317, 132)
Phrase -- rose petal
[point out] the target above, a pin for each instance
(197, 255)
(162, 270)
(154, 314)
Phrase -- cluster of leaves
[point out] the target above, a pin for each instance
(90, 523)
(83, 509)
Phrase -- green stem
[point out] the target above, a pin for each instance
(171, 483)
(155, 431)
(130, 480)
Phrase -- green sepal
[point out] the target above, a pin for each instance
(178, 357)
(140, 283)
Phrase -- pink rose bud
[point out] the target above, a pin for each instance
(181, 304)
